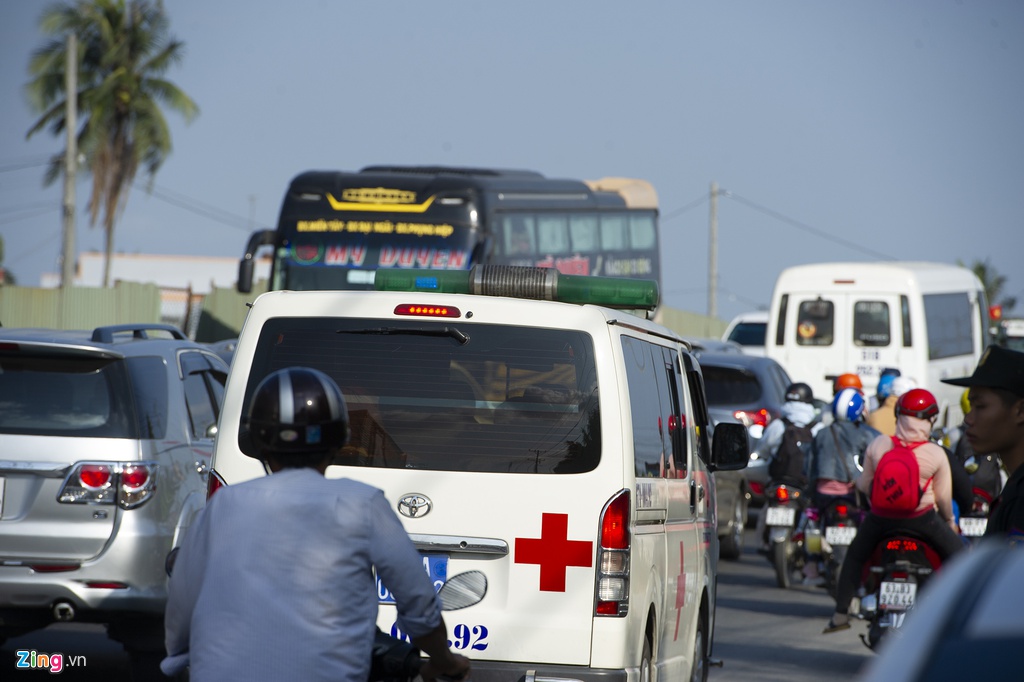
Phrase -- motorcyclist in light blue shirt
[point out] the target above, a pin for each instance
(275, 578)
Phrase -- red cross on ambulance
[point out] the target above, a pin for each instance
(554, 552)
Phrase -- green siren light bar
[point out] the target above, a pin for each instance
(545, 284)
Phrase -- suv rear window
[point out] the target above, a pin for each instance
(50, 395)
(728, 386)
(437, 395)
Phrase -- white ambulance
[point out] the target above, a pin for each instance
(561, 448)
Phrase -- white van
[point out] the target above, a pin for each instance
(560, 448)
(928, 320)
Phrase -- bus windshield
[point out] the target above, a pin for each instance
(336, 229)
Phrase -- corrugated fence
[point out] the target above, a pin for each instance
(218, 315)
(214, 317)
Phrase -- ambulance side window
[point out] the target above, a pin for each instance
(650, 405)
(677, 418)
(699, 418)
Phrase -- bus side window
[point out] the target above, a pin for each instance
(552, 233)
(613, 232)
(642, 233)
(518, 235)
(583, 234)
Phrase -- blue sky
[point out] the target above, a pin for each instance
(842, 130)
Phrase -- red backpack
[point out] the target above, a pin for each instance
(896, 488)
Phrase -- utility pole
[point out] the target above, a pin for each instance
(67, 269)
(713, 253)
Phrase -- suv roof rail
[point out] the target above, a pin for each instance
(139, 331)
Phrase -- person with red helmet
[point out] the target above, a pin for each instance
(275, 578)
(931, 518)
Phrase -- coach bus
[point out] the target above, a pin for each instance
(336, 229)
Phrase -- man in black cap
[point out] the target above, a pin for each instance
(995, 425)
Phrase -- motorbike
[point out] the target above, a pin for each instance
(899, 566)
(784, 505)
(974, 521)
(396, 660)
(839, 519)
(392, 659)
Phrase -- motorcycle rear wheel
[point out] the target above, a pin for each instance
(781, 552)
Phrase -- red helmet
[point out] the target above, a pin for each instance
(848, 380)
(917, 402)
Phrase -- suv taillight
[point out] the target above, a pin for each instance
(753, 417)
(127, 484)
(213, 483)
(613, 558)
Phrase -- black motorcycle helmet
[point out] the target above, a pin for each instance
(295, 411)
(800, 393)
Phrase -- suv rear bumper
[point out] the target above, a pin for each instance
(504, 671)
(23, 590)
(135, 558)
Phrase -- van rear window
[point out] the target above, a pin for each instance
(815, 322)
(871, 323)
(448, 396)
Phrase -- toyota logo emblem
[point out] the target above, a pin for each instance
(414, 504)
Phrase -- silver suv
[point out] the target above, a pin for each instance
(105, 445)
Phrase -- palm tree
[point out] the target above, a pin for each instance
(123, 52)
(993, 283)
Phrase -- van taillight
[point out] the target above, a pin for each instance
(613, 558)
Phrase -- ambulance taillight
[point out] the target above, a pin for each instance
(613, 558)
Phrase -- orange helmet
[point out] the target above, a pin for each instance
(848, 380)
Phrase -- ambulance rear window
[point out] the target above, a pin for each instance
(446, 396)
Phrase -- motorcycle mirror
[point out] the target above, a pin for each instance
(462, 590)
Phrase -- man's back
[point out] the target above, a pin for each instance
(255, 566)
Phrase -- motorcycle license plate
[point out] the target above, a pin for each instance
(897, 596)
(436, 566)
(780, 516)
(840, 535)
(973, 527)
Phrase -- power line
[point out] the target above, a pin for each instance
(688, 207)
(23, 165)
(195, 206)
(805, 227)
(47, 241)
(31, 214)
(28, 162)
(26, 207)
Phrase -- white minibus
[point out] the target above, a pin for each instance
(928, 320)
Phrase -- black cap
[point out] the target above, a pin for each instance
(998, 368)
